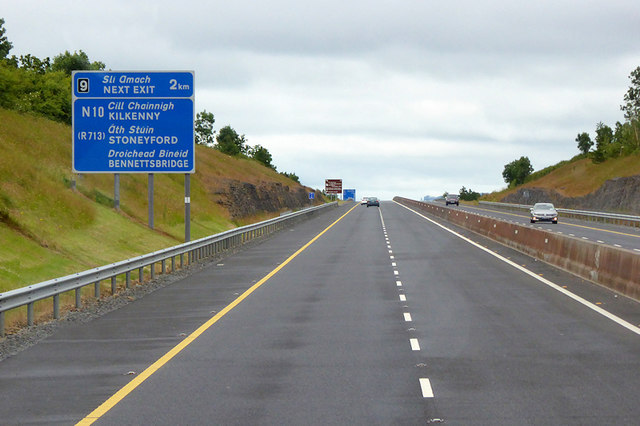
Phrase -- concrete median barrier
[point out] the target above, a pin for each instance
(612, 267)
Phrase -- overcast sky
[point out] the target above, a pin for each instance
(406, 98)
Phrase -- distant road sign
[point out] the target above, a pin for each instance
(133, 122)
(349, 194)
(333, 186)
(312, 195)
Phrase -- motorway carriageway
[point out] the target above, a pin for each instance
(360, 316)
(602, 233)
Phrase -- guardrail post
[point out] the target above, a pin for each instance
(78, 292)
(181, 260)
(128, 275)
(153, 271)
(56, 306)
(173, 263)
(2, 324)
(163, 269)
(141, 274)
(30, 314)
(96, 289)
(113, 285)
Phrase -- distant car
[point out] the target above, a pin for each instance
(373, 201)
(452, 199)
(544, 212)
(364, 200)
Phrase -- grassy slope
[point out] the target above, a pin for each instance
(48, 230)
(580, 177)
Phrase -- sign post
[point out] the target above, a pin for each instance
(133, 122)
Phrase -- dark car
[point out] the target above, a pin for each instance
(452, 199)
(373, 201)
(544, 211)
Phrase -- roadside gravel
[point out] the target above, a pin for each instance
(29, 336)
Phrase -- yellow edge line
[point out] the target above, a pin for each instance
(138, 380)
(564, 223)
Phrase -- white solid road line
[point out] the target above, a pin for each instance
(551, 284)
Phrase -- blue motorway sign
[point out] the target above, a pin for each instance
(133, 122)
(349, 194)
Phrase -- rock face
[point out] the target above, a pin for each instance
(616, 195)
(243, 199)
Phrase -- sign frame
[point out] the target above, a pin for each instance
(349, 194)
(133, 122)
(333, 186)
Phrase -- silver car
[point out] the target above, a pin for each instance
(543, 211)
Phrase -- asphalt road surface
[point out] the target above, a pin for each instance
(363, 315)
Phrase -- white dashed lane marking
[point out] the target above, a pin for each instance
(425, 383)
(425, 386)
(415, 345)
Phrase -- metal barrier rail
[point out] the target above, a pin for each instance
(195, 250)
(620, 219)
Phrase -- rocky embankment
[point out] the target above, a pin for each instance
(244, 199)
(620, 195)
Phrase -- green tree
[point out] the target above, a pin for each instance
(468, 194)
(76, 61)
(262, 155)
(29, 62)
(9, 85)
(604, 137)
(5, 44)
(294, 177)
(623, 137)
(631, 106)
(517, 171)
(229, 142)
(203, 128)
(584, 142)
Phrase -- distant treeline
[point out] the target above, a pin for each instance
(39, 86)
(624, 138)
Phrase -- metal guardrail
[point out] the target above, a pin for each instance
(620, 219)
(195, 250)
